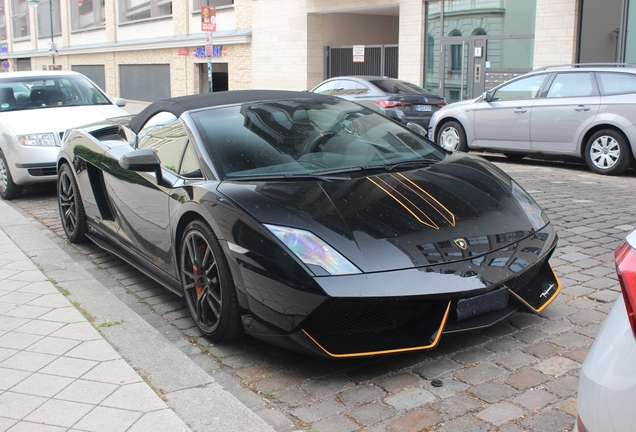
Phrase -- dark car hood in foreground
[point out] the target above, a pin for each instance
(397, 220)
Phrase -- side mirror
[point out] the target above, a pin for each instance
(120, 102)
(488, 95)
(144, 160)
(418, 129)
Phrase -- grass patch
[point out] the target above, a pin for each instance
(90, 318)
(110, 323)
(62, 290)
(270, 395)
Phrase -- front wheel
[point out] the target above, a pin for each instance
(607, 152)
(452, 137)
(208, 287)
(8, 189)
(69, 203)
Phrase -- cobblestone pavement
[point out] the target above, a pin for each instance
(521, 374)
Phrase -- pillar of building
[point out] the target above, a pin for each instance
(555, 32)
(411, 37)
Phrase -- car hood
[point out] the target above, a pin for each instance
(397, 220)
(58, 119)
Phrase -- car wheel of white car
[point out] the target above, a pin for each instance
(607, 152)
(8, 189)
(452, 137)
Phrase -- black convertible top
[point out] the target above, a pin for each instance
(181, 104)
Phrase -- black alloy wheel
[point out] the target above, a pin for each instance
(608, 152)
(207, 284)
(8, 189)
(69, 203)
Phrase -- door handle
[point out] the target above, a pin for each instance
(520, 110)
(581, 108)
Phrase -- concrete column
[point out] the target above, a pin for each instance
(555, 32)
(412, 42)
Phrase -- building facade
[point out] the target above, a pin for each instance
(153, 49)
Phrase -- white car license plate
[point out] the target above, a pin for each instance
(422, 107)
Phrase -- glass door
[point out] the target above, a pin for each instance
(455, 70)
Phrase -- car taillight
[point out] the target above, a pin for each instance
(626, 269)
(392, 104)
(440, 105)
(579, 424)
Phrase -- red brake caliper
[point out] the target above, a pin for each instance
(199, 288)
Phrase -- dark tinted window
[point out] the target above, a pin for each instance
(399, 87)
(616, 83)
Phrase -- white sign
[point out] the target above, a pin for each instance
(358, 53)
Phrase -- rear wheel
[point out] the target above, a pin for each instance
(452, 137)
(207, 284)
(607, 152)
(69, 203)
(8, 189)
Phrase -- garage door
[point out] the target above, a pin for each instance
(94, 73)
(144, 82)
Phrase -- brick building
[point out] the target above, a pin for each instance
(151, 49)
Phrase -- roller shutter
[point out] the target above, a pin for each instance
(144, 82)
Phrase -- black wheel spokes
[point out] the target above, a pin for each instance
(202, 283)
(67, 203)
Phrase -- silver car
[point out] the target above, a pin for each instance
(35, 110)
(583, 111)
(607, 386)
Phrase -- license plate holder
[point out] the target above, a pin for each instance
(425, 108)
(473, 306)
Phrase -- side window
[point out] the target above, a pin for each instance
(326, 88)
(616, 83)
(525, 88)
(165, 133)
(190, 165)
(349, 88)
(571, 85)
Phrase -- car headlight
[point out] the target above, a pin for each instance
(313, 251)
(530, 207)
(41, 140)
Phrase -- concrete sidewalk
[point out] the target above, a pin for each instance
(58, 372)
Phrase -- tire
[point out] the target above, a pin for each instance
(8, 189)
(515, 156)
(70, 206)
(207, 283)
(607, 152)
(452, 137)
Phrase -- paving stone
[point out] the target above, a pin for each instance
(556, 327)
(551, 420)
(556, 311)
(256, 373)
(578, 355)
(59, 413)
(480, 373)
(556, 366)
(470, 339)
(415, 421)
(278, 383)
(569, 406)
(450, 387)
(543, 351)
(492, 392)
(107, 419)
(587, 317)
(465, 424)
(604, 296)
(317, 411)
(437, 368)
(368, 373)
(500, 413)
(530, 336)
(293, 398)
(515, 360)
(275, 419)
(328, 386)
(526, 379)
(371, 413)
(601, 283)
(571, 340)
(458, 405)
(475, 355)
(504, 345)
(534, 399)
(410, 399)
(583, 303)
(361, 394)
(398, 381)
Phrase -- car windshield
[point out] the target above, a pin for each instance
(307, 137)
(399, 87)
(27, 93)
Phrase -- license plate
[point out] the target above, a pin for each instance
(422, 107)
(473, 306)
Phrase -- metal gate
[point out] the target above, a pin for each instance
(94, 73)
(379, 60)
(144, 82)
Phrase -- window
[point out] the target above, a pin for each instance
(134, 10)
(88, 14)
(3, 24)
(165, 133)
(196, 4)
(20, 18)
(525, 88)
(327, 87)
(616, 83)
(571, 85)
(349, 88)
(43, 11)
(190, 164)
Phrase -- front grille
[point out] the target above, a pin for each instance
(40, 172)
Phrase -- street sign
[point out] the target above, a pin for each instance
(358, 53)
(183, 51)
(6, 64)
(225, 52)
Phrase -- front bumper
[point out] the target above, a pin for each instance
(29, 165)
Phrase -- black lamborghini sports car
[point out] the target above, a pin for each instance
(307, 221)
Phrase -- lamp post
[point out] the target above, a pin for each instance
(35, 4)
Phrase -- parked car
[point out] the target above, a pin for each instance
(307, 221)
(580, 110)
(607, 386)
(397, 99)
(35, 110)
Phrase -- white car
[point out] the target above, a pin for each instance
(36, 108)
(607, 385)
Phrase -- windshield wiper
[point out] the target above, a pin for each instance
(413, 163)
(289, 176)
(385, 167)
